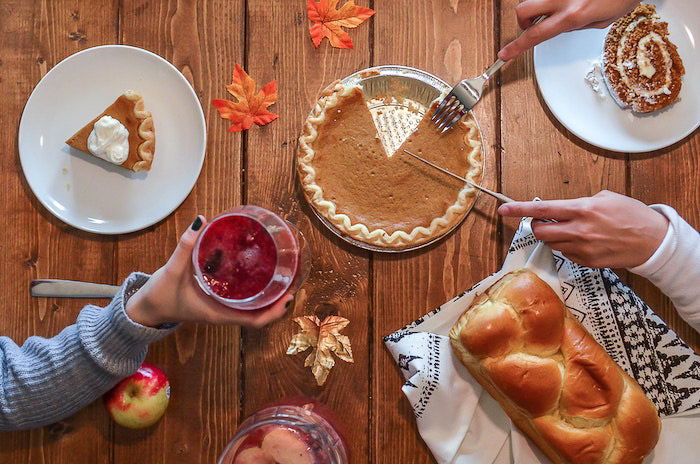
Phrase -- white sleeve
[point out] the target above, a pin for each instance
(675, 266)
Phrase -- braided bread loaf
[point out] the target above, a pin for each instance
(550, 376)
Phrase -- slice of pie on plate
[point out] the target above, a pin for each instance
(387, 200)
(123, 134)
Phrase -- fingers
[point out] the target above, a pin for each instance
(599, 24)
(272, 313)
(553, 232)
(183, 253)
(528, 10)
(577, 254)
(256, 318)
(550, 27)
(559, 210)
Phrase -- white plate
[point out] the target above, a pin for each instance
(89, 193)
(562, 63)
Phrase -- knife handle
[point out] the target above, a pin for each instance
(71, 289)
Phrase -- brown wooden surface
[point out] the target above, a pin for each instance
(221, 375)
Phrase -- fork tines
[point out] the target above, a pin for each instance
(449, 111)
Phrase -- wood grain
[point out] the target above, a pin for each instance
(220, 376)
(34, 37)
(540, 157)
(280, 48)
(203, 40)
(567, 167)
(452, 40)
(536, 147)
(672, 177)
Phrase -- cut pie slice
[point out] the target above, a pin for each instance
(128, 110)
(387, 200)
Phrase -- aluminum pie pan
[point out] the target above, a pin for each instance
(413, 87)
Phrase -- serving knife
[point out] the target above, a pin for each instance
(498, 196)
(71, 289)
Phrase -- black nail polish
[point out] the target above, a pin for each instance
(197, 223)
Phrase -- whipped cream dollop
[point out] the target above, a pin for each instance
(594, 78)
(109, 140)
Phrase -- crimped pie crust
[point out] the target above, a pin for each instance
(146, 130)
(331, 98)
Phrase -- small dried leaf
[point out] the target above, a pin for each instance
(344, 351)
(310, 359)
(299, 343)
(325, 339)
(308, 337)
(308, 324)
(250, 107)
(328, 21)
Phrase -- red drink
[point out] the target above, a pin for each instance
(250, 257)
(237, 257)
(294, 433)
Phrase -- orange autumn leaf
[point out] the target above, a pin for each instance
(250, 107)
(328, 21)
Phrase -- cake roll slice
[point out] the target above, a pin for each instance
(642, 67)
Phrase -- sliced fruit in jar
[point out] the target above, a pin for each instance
(253, 455)
(287, 446)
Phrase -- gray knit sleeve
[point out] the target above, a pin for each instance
(46, 380)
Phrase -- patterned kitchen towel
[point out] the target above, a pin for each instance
(637, 339)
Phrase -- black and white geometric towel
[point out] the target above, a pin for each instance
(460, 425)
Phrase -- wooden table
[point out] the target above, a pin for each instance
(221, 375)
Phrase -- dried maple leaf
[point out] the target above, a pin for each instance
(328, 21)
(324, 339)
(250, 107)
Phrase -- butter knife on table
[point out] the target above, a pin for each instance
(71, 289)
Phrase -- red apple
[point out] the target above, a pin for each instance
(140, 400)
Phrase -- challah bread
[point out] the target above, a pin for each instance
(557, 384)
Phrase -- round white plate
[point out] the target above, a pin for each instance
(561, 65)
(92, 194)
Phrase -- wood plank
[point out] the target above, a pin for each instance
(672, 177)
(452, 40)
(203, 40)
(34, 37)
(567, 167)
(280, 48)
(540, 157)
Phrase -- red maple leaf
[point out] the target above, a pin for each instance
(250, 107)
(328, 21)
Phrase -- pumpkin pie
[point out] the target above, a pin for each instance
(389, 200)
(128, 109)
(642, 67)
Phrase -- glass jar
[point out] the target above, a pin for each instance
(249, 257)
(295, 433)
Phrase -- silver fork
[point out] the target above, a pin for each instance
(465, 95)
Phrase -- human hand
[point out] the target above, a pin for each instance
(605, 230)
(173, 295)
(562, 16)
